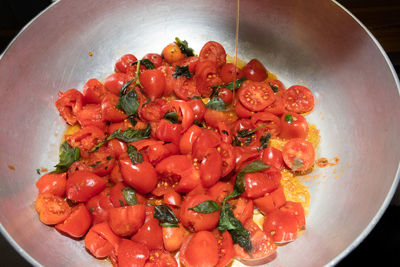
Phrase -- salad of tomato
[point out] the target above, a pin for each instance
(177, 152)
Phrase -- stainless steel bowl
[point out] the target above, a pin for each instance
(314, 43)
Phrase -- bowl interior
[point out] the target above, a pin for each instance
(312, 43)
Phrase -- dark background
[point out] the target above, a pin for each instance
(380, 16)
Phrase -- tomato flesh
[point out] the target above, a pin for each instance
(255, 96)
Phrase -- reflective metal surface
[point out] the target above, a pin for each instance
(314, 43)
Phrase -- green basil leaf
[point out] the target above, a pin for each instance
(135, 156)
(297, 164)
(132, 135)
(264, 139)
(67, 156)
(146, 62)
(182, 71)
(132, 119)
(128, 103)
(124, 87)
(216, 103)
(236, 141)
(274, 88)
(172, 117)
(254, 166)
(169, 224)
(165, 215)
(229, 86)
(121, 203)
(38, 171)
(130, 196)
(207, 206)
(198, 123)
(242, 238)
(184, 47)
(195, 97)
(289, 118)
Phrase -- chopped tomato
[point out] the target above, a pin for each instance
(243, 209)
(219, 191)
(229, 72)
(298, 154)
(205, 140)
(155, 58)
(186, 88)
(109, 112)
(273, 157)
(271, 201)
(226, 95)
(101, 241)
(277, 87)
(293, 125)
(272, 123)
(299, 99)
(211, 167)
(259, 183)
(191, 62)
(281, 225)
(114, 82)
(188, 139)
(161, 258)
(126, 221)
(116, 147)
(69, 104)
(172, 198)
(297, 210)
(224, 132)
(77, 223)
(124, 62)
(225, 248)
(52, 209)
(132, 253)
(255, 96)
(99, 205)
(213, 117)
(153, 82)
(213, 51)
(169, 132)
(228, 158)
(90, 115)
(241, 111)
(185, 113)
(53, 183)
(198, 107)
(101, 162)
(170, 81)
(93, 91)
(173, 237)
(82, 185)
(153, 111)
(255, 71)
(277, 107)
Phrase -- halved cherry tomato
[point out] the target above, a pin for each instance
(213, 51)
(184, 111)
(229, 72)
(299, 99)
(142, 176)
(52, 209)
(124, 62)
(196, 221)
(298, 154)
(206, 76)
(297, 210)
(126, 221)
(199, 249)
(158, 152)
(226, 95)
(115, 175)
(191, 62)
(101, 241)
(172, 53)
(99, 205)
(277, 86)
(82, 185)
(243, 209)
(259, 183)
(255, 71)
(198, 108)
(211, 167)
(161, 258)
(244, 154)
(153, 111)
(273, 157)
(150, 234)
(241, 111)
(277, 107)
(90, 115)
(101, 162)
(205, 140)
(172, 198)
(132, 253)
(168, 131)
(114, 82)
(121, 125)
(173, 237)
(93, 91)
(117, 197)
(69, 104)
(255, 96)
(185, 88)
(272, 123)
(188, 139)
(155, 58)
(52, 183)
(213, 117)
(170, 81)
(77, 223)
(219, 191)
(225, 248)
(293, 125)
(153, 82)
(271, 201)
(108, 110)
(116, 147)
(281, 225)
(225, 133)
(85, 138)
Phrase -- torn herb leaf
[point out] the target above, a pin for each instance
(274, 87)
(216, 103)
(67, 156)
(208, 206)
(124, 87)
(182, 71)
(229, 86)
(184, 47)
(128, 103)
(172, 117)
(289, 118)
(165, 215)
(145, 62)
(135, 156)
(130, 196)
(264, 139)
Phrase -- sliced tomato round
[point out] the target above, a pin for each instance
(272, 123)
(256, 96)
(298, 154)
(213, 51)
(52, 209)
(299, 99)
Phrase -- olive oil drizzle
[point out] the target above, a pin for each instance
(236, 47)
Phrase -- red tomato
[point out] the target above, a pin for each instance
(101, 162)
(185, 88)
(277, 86)
(115, 175)
(191, 62)
(153, 111)
(271, 201)
(93, 91)
(124, 62)
(225, 133)
(293, 125)
(116, 147)
(277, 107)
(230, 73)
(206, 76)
(77, 223)
(82, 185)
(90, 115)
(255, 71)
(255, 96)
(142, 176)
(86, 138)
(211, 167)
(158, 152)
(196, 221)
(281, 225)
(101, 241)
(225, 248)
(172, 53)
(198, 108)
(153, 82)
(169, 132)
(173, 237)
(126, 221)
(244, 154)
(219, 191)
(205, 140)
(108, 110)
(296, 209)
(263, 246)
(184, 112)
(213, 117)
(132, 253)
(69, 104)
(170, 82)
(179, 168)
(99, 205)
(53, 183)
(243, 209)
(114, 82)
(117, 198)
(273, 157)
(272, 123)
(172, 198)
(213, 51)
(259, 183)
(299, 99)
(298, 154)
(161, 258)
(188, 139)
(241, 111)
(120, 125)
(226, 95)
(51, 209)
(199, 250)
(155, 58)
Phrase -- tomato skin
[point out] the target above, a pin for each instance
(119, 125)
(132, 253)
(271, 201)
(142, 176)
(184, 112)
(117, 198)
(173, 237)
(172, 198)
(229, 72)
(272, 123)
(259, 183)
(211, 167)
(225, 133)
(126, 221)
(101, 241)
(296, 209)
(153, 82)
(219, 191)
(244, 154)
(188, 139)
(226, 95)
(115, 175)
(93, 91)
(196, 221)
(191, 62)
(155, 58)
(199, 109)
(301, 149)
(153, 111)
(277, 107)
(255, 71)
(299, 99)
(205, 140)
(206, 76)
(170, 82)
(53, 183)
(213, 117)
(158, 152)
(161, 258)
(108, 110)
(196, 246)
(114, 82)
(243, 209)
(297, 128)
(213, 51)
(52, 209)
(90, 115)
(116, 147)
(225, 248)
(77, 223)
(123, 62)
(172, 53)
(282, 225)
(82, 185)
(169, 132)
(255, 96)
(99, 205)
(273, 157)
(242, 112)
(69, 104)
